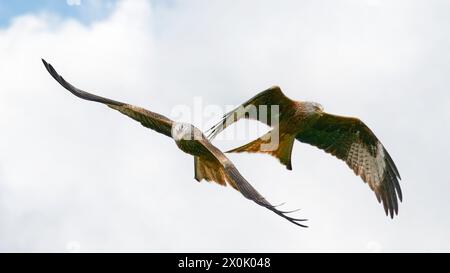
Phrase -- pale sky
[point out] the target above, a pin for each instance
(77, 176)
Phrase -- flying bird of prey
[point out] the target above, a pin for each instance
(346, 138)
(209, 162)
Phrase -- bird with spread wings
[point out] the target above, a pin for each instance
(346, 138)
(209, 162)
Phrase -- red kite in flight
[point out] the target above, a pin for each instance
(210, 163)
(346, 138)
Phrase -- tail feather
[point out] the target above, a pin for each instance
(281, 149)
(209, 171)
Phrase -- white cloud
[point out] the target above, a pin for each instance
(73, 2)
(77, 176)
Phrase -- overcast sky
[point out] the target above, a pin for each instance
(77, 176)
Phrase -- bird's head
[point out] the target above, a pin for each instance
(181, 130)
(184, 131)
(313, 107)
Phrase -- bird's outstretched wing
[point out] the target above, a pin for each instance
(251, 110)
(350, 140)
(149, 119)
(163, 125)
(237, 181)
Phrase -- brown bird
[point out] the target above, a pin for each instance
(346, 138)
(209, 162)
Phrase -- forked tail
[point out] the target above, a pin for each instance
(279, 146)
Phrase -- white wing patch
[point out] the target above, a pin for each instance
(370, 168)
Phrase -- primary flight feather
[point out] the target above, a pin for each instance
(210, 163)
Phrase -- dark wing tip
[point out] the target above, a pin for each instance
(49, 67)
(389, 194)
(391, 182)
(247, 190)
(391, 163)
(219, 126)
(295, 221)
(78, 92)
(56, 76)
(52, 71)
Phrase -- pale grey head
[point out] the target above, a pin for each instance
(185, 131)
(313, 107)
